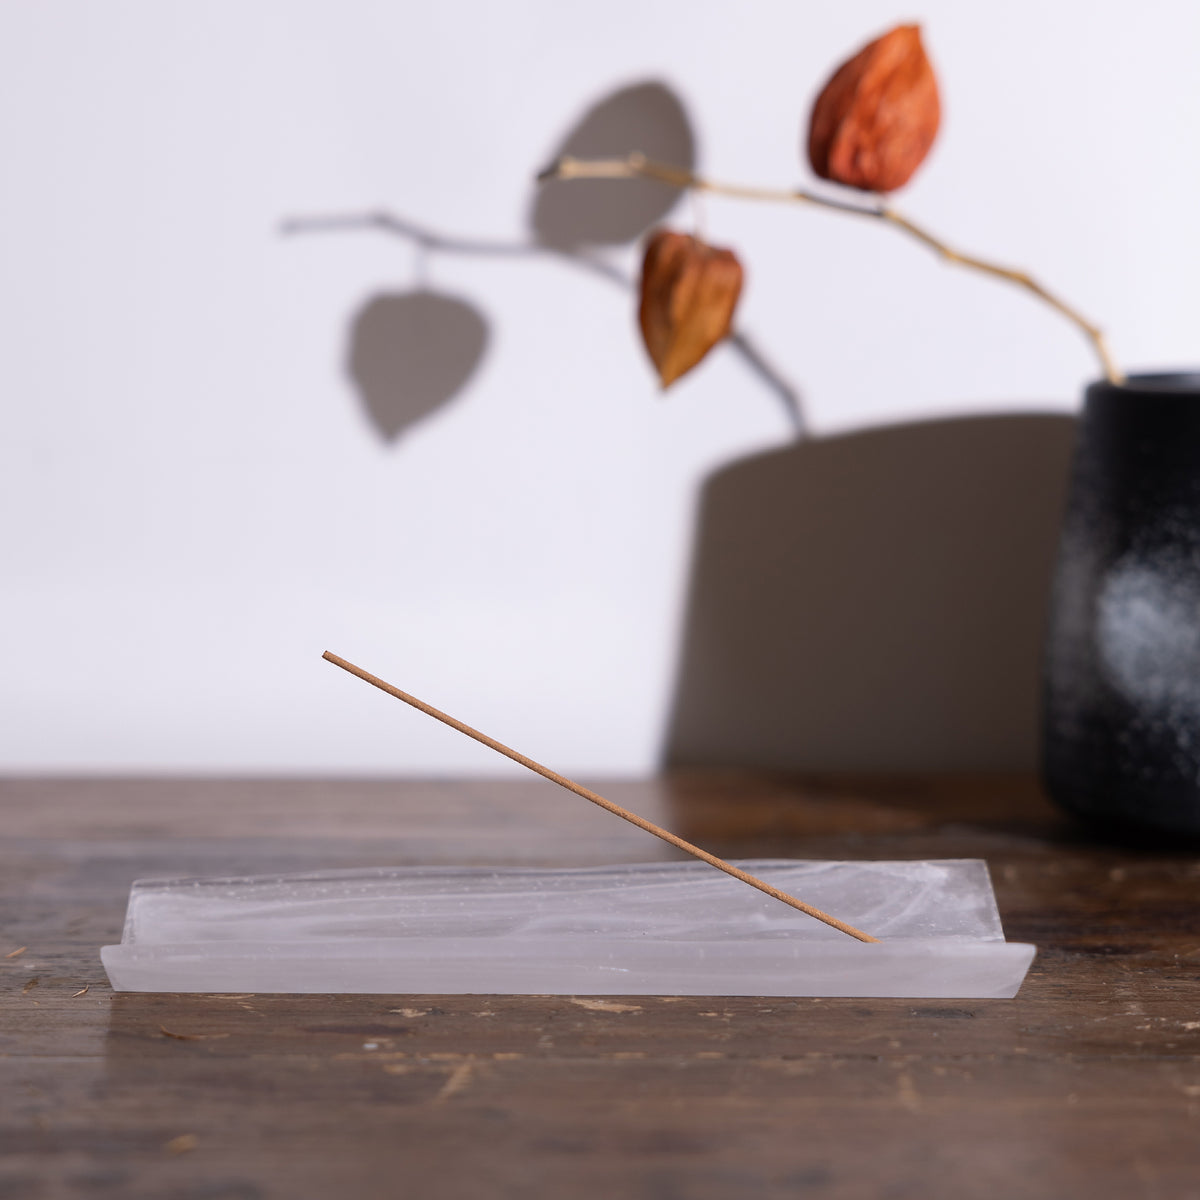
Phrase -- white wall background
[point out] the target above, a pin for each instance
(192, 503)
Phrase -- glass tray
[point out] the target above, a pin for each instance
(645, 929)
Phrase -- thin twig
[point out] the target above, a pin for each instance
(587, 794)
(637, 166)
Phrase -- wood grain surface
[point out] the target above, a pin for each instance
(1088, 1084)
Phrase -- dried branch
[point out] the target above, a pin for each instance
(637, 166)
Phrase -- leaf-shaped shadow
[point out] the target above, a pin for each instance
(410, 353)
(646, 117)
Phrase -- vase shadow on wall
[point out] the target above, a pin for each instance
(874, 601)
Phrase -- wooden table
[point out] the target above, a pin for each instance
(1088, 1084)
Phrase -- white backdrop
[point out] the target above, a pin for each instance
(195, 501)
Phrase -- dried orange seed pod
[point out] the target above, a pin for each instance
(876, 118)
(688, 293)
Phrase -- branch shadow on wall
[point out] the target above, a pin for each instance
(874, 601)
(647, 118)
(410, 353)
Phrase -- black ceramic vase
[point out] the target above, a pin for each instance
(1121, 711)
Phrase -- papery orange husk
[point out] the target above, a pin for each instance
(874, 121)
(688, 293)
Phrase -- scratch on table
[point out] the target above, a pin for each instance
(459, 1078)
(190, 1037)
(906, 1093)
(605, 1006)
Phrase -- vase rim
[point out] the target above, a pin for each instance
(1170, 382)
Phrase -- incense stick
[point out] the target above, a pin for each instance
(665, 834)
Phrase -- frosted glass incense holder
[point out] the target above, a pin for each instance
(678, 929)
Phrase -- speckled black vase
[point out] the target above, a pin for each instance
(1121, 711)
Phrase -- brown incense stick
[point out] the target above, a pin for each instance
(587, 794)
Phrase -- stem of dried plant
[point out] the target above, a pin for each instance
(637, 166)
